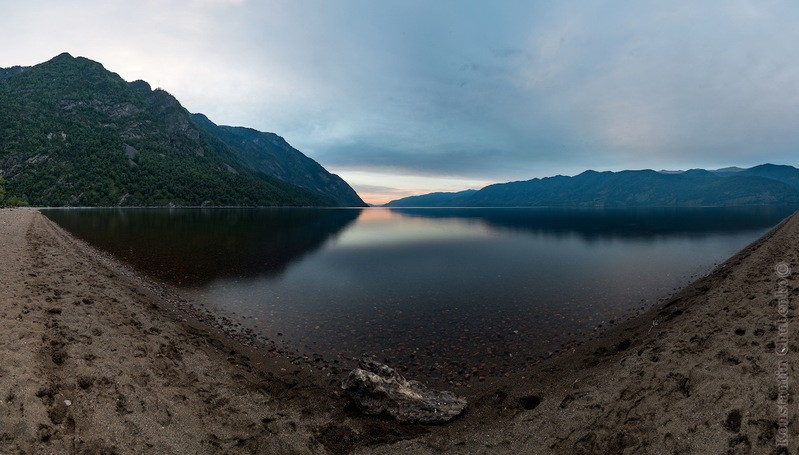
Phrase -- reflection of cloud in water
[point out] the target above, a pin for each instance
(436, 289)
(459, 291)
(384, 227)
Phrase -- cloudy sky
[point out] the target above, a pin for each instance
(407, 97)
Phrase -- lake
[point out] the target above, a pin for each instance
(438, 292)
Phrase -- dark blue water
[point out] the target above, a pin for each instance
(436, 291)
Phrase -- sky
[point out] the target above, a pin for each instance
(409, 97)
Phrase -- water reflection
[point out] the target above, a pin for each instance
(615, 222)
(192, 247)
(439, 291)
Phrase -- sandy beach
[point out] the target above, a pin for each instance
(97, 361)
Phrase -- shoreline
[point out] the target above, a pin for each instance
(263, 353)
(506, 415)
(695, 373)
(454, 374)
(96, 362)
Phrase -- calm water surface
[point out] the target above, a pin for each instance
(438, 291)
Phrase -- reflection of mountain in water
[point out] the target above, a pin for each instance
(219, 242)
(644, 223)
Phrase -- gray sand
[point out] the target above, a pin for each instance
(95, 362)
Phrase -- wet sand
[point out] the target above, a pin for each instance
(96, 360)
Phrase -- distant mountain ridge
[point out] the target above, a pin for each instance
(75, 134)
(767, 184)
(432, 199)
(780, 173)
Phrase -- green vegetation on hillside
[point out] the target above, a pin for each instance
(11, 201)
(762, 185)
(272, 155)
(75, 134)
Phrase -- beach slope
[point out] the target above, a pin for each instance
(97, 361)
(94, 363)
(706, 371)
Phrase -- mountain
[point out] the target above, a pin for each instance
(75, 134)
(432, 200)
(781, 173)
(5, 72)
(722, 171)
(728, 170)
(272, 155)
(646, 188)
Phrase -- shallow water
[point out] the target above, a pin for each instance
(437, 291)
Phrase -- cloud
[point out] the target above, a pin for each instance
(669, 88)
(461, 90)
(378, 186)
